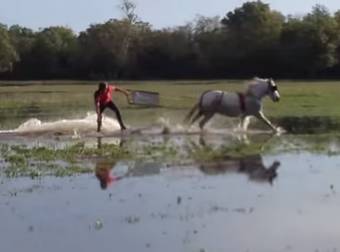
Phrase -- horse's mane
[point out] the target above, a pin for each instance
(255, 81)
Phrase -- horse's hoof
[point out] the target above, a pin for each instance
(279, 131)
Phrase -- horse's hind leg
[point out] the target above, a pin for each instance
(206, 118)
(191, 112)
(197, 116)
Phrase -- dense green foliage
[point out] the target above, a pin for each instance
(250, 40)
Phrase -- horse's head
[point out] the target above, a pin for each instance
(272, 90)
(261, 87)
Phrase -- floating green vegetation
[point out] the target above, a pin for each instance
(328, 144)
(21, 160)
(35, 161)
(209, 153)
(157, 152)
(322, 143)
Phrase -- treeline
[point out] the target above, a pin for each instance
(250, 40)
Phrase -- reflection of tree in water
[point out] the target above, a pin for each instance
(252, 165)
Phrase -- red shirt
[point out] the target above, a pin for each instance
(105, 177)
(106, 96)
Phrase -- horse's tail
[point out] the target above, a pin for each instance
(198, 105)
(191, 112)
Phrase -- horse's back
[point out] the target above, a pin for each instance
(230, 104)
(210, 100)
(216, 101)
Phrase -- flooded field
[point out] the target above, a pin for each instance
(161, 186)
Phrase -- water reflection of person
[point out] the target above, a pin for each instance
(103, 173)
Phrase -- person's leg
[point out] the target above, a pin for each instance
(100, 117)
(112, 106)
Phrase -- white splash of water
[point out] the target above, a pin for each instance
(170, 127)
(69, 126)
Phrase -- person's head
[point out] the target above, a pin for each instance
(102, 86)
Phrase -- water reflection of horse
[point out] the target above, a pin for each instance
(252, 165)
(233, 104)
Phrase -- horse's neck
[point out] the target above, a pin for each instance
(257, 90)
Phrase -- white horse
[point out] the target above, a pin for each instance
(234, 104)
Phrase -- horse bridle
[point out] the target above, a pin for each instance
(271, 88)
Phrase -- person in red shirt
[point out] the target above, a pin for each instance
(103, 100)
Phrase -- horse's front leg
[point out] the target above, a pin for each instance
(245, 120)
(263, 118)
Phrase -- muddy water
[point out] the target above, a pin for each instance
(184, 208)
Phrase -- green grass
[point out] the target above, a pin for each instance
(35, 161)
(21, 160)
(55, 100)
(299, 98)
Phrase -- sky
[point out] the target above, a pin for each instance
(79, 14)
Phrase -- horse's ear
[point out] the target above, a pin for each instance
(270, 80)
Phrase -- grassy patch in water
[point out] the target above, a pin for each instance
(320, 144)
(328, 144)
(20, 160)
(210, 153)
(160, 152)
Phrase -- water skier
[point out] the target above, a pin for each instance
(103, 100)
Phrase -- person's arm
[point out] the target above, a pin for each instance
(125, 92)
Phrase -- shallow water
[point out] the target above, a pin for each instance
(163, 208)
(285, 199)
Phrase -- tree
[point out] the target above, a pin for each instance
(23, 40)
(128, 9)
(253, 33)
(209, 45)
(336, 68)
(169, 53)
(52, 52)
(130, 20)
(101, 48)
(309, 44)
(8, 54)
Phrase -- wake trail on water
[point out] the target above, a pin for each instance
(87, 126)
(65, 126)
